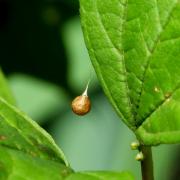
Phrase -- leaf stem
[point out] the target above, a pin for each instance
(147, 163)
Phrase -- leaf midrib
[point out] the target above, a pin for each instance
(121, 53)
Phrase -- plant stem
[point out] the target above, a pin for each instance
(147, 163)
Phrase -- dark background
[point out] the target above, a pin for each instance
(30, 41)
(42, 53)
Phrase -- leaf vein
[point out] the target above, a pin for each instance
(160, 105)
(156, 42)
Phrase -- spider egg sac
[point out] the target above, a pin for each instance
(81, 105)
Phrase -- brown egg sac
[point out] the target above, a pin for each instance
(81, 105)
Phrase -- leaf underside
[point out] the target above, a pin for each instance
(134, 47)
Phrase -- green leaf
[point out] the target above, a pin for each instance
(5, 92)
(17, 165)
(26, 150)
(100, 176)
(134, 47)
(20, 133)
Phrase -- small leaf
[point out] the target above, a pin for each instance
(5, 92)
(134, 47)
(19, 165)
(100, 176)
(19, 132)
(26, 150)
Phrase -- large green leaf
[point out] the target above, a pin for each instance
(134, 47)
(100, 176)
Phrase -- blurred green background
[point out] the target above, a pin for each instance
(43, 54)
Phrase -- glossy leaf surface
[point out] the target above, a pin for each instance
(134, 47)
